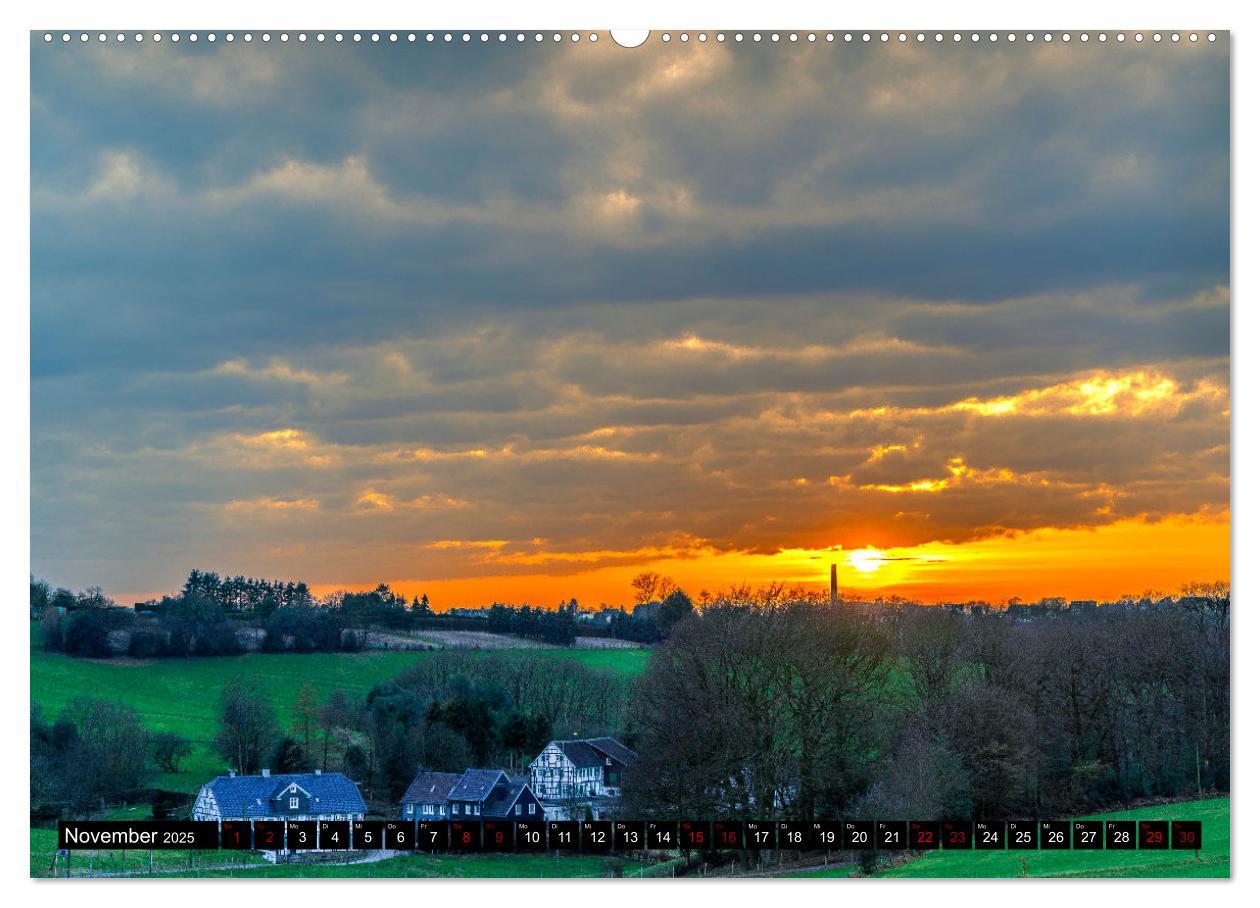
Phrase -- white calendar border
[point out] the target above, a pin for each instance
(673, 14)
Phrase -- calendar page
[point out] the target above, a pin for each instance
(710, 454)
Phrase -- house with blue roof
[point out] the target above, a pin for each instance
(293, 796)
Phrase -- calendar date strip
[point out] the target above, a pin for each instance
(605, 836)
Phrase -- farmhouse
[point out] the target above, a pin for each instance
(490, 793)
(580, 776)
(302, 796)
(426, 797)
(477, 793)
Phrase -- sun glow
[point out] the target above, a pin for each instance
(866, 561)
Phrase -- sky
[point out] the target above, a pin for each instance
(515, 322)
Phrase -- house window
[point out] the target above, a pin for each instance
(531, 809)
(454, 810)
(518, 810)
(411, 808)
(477, 809)
(293, 803)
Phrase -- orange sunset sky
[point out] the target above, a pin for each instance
(518, 323)
(1122, 559)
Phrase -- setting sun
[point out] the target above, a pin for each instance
(866, 560)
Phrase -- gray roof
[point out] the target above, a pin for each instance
(587, 752)
(430, 788)
(615, 749)
(581, 754)
(477, 784)
(501, 804)
(249, 797)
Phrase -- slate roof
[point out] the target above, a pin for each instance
(250, 796)
(615, 749)
(581, 754)
(501, 804)
(430, 788)
(476, 784)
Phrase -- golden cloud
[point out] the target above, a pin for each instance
(269, 504)
(1127, 394)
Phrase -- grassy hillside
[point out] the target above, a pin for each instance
(1213, 861)
(182, 695)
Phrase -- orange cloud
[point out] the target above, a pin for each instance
(269, 504)
(374, 500)
(959, 474)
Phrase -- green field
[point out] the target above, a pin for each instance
(1213, 861)
(538, 866)
(182, 695)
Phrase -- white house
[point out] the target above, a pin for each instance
(580, 775)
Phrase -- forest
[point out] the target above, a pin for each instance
(787, 709)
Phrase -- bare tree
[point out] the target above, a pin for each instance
(248, 724)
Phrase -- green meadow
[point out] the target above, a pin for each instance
(1212, 861)
(182, 695)
(447, 866)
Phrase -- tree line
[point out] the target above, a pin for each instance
(223, 616)
(213, 616)
(786, 709)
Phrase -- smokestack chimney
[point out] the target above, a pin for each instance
(834, 590)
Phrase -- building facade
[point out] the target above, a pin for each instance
(475, 794)
(579, 777)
